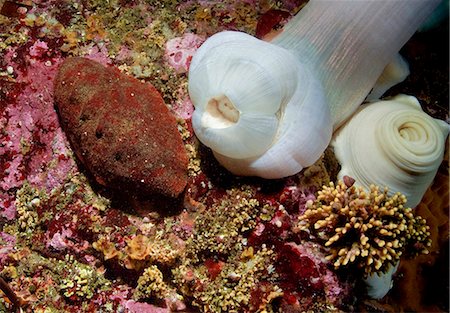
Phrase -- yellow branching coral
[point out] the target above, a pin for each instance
(371, 230)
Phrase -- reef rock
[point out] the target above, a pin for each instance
(120, 129)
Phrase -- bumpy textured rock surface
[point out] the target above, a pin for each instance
(120, 129)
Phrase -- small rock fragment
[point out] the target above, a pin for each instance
(120, 129)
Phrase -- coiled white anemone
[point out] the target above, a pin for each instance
(268, 109)
(392, 143)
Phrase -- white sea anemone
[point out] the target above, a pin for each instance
(250, 94)
(268, 109)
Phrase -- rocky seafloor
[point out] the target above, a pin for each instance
(69, 243)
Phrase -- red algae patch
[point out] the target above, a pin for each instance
(120, 129)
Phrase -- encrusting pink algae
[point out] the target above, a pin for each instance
(225, 243)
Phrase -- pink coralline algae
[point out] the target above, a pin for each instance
(62, 240)
(141, 307)
(308, 265)
(98, 54)
(179, 51)
(7, 243)
(63, 232)
(38, 49)
(32, 146)
(183, 107)
(7, 207)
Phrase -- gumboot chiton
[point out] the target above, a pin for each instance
(120, 129)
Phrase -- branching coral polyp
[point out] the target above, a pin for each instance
(369, 229)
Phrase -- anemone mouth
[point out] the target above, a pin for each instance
(220, 113)
(413, 131)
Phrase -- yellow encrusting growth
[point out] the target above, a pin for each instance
(220, 230)
(369, 229)
(220, 270)
(151, 284)
(231, 290)
(27, 201)
(140, 251)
